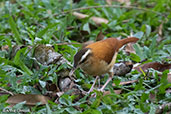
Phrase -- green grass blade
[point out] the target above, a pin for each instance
(14, 30)
(43, 31)
(20, 63)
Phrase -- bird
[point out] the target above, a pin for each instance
(98, 58)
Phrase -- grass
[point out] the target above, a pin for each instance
(28, 23)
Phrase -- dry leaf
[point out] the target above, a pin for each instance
(97, 20)
(79, 15)
(160, 29)
(126, 2)
(116, 91)
(129, 48)
(160, 33)
(31, 99)
(59, 94)
(100, 36)
(109, 2)
(126, 21)
(127, 82)
(155, 65)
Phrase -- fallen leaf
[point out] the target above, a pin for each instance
(59, 94)
(129, 48)
(126, 2)
(100, 36)
(116, 91)
(155, 65)
(109, 2)
(126, 21)
(97, 20)
(160, 33)
(127, 82)
(31, 99)
(79, 15)
(160, 29)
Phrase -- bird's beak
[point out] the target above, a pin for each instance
(71, 72)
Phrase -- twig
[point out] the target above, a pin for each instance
(111, 6)
(6, 91)
(124, 83)
(66, 43)
(55, 37)
(8, 34)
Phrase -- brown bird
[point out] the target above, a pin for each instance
(99, 58)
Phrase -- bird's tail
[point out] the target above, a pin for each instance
(127, 40)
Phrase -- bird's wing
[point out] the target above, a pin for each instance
(105, 49)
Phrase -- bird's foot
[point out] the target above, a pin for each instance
(101, 90)
(94, 94)
(89, 92)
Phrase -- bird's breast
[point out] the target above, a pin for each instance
(95, 67)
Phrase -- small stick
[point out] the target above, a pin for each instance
(127, 82)
(66, 43)
(112, 6)
(6, 91)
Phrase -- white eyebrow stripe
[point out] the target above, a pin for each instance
(85, 55)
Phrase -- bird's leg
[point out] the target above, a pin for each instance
(109, 79)
(110, 72)
(99, 83)
(92, 87)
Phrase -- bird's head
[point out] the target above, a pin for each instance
(79, 58)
